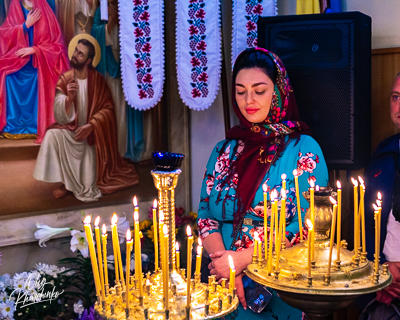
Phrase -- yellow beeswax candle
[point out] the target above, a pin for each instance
(198, 260)
(310, 232)
(231, 274)
(129, 243)
(265, 189)
(377, 244)
(166, 268)
(98, 246)
(255, 243)
(283, 177)
(177, 255)
(283, 214)
(362, 213)
(121, 270)
(92, 252)
(138, 253)
(155, 235)
(189, 264)
(332, 235)
(296, 183)
(339, 218)
(104, 238)
(114, 221)
(356, 223)
(271, 232)
(312, 184)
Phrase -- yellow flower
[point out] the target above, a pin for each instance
(145, 224)
(193, 214)
(150, 234)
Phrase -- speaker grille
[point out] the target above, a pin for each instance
(320, 56)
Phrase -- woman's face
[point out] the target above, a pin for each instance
(253, 92)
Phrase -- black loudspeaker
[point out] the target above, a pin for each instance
(328, 59)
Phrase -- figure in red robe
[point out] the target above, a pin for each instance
(32, 56)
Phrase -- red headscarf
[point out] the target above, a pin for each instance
(263, 142)
(50, 58)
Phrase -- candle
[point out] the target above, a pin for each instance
(93, 258)
(296, 183)
(98, 245)
(332, 234)
(166, 268)
(283, 215)
(275, 205)
(339, 218)
(114, 220)
(119, 258)
(377, 244)
(271, 232)
(178, 256)
(155, 235)
(104, 238)
(312, 216)
(198, 260)
(129, 243)
(356, 224)
(189, 263)
(138, 254)
(362, 213)
(380, 216)
(259, 250)
(255, 244)
(310, 232)
(265, 189)
(283, 177)
(160, 227)
(231, 274)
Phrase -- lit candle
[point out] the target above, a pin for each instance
(129, 243)
(166, 268)
(155, 235)
(265, 189)
(296, 183)
(93, 258)
(98, 245)
(312, 216)
(310, 233)
(198, 260)
(255, 244)
(356, 225)
(332, 233)
(271, 232)
(275, 205)
(138, 254)
(380, 215)
(283, 177)
(377, 244)
(259, 250)
(283, 215)
(339, 218)
(104, 238)
(160, 227)
(114, 220)
(189, 264)
(231, 274)
(119, 258)
(178, 256)
(362, 213)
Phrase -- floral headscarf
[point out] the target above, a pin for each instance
(263, 142)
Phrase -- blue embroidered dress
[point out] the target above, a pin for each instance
(306, 156)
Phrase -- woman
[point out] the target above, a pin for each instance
(269, 141)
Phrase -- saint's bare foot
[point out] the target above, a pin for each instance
(60, 192)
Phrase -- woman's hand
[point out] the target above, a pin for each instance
(219, 265)
(25, 52)
(32, 18)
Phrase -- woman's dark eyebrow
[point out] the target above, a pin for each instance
(395, 92)
(253, 85)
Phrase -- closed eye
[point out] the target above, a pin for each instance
(260, 92)
(240, 93)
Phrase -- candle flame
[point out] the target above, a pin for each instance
(379, 195)
(161, 216)
(312, 183)
(189, 231)
(265, 187)
(283, 193)
(256, 236)
(333, 200)
(309, 224)
(375, 207)
(87, 220)
(339, 185)
(273, 195)
(104, 228)
(177, 246)
(283, 176)
(134, 201)
(295, 172)
(136, 216)
(200, 243)
(114, 219)
(231, 265)
(361, 180)
(148, 283)
(154, 204)
(199, 250)
(378, 203)
(128, 235)
(97, 221)
(355, 182)
(317, 188)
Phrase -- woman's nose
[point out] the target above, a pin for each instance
(249, 98)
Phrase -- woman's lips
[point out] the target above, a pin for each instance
(251, 110)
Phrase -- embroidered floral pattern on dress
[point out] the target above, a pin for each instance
(198, 48)
(207, 226)
(143, 48)
(253, 10)
(307, 163)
